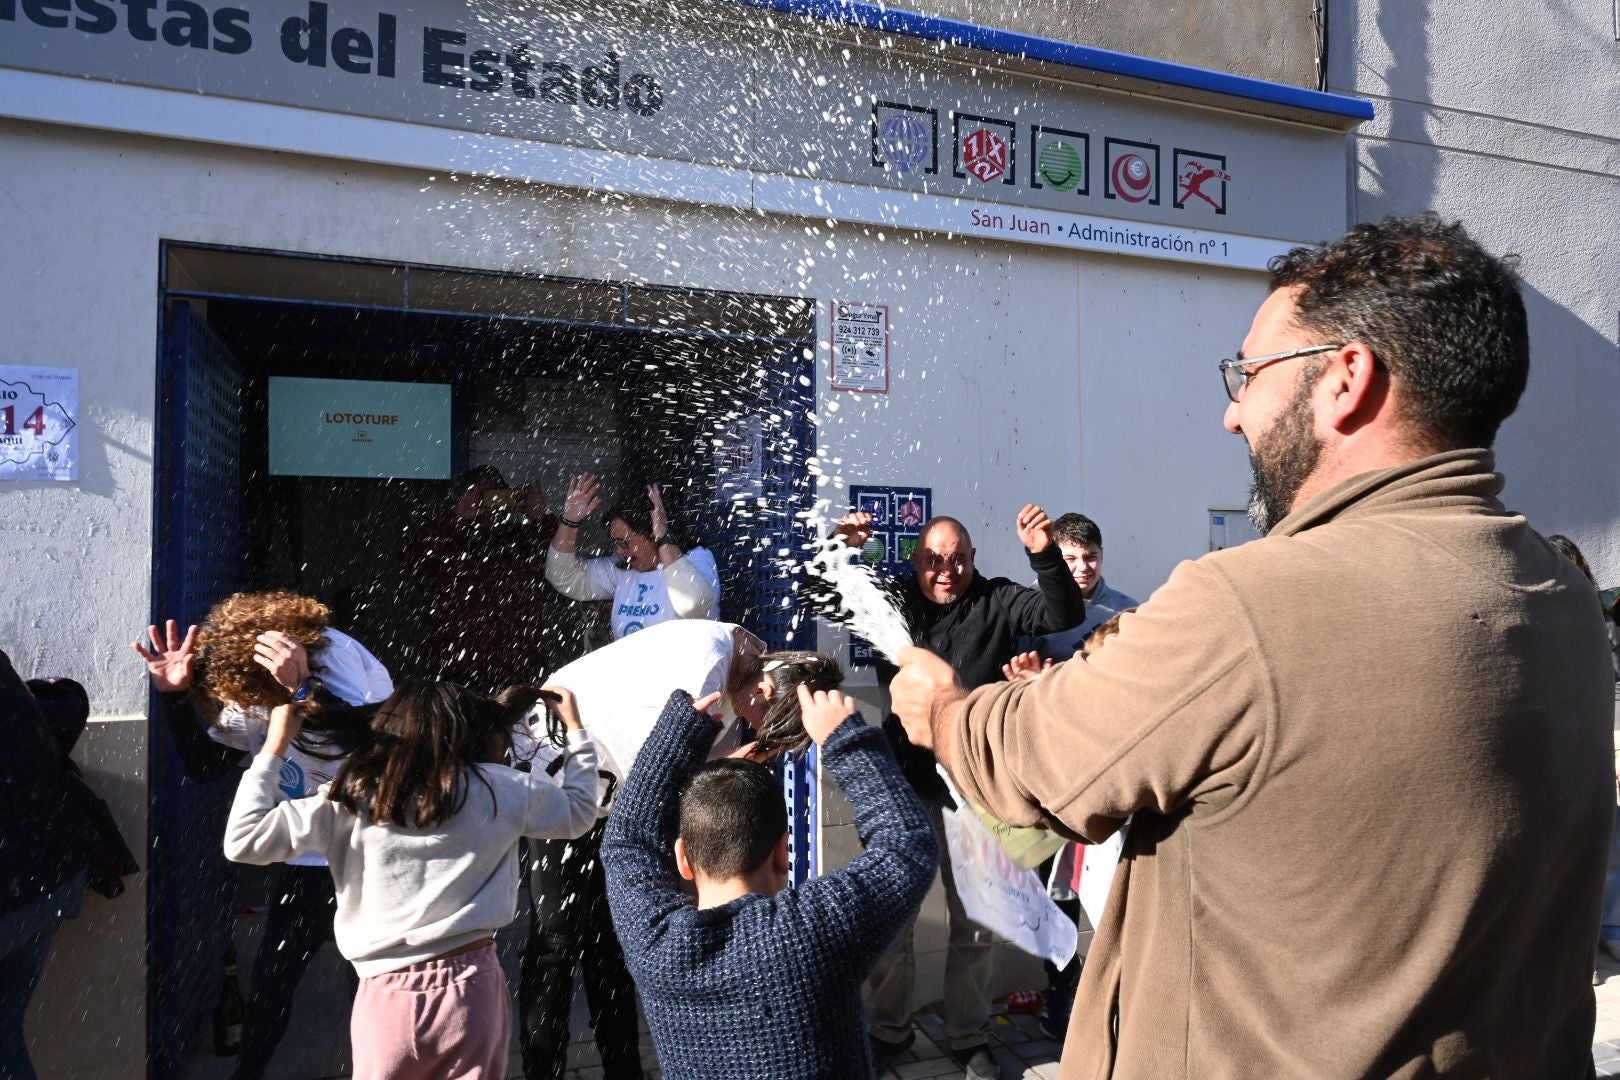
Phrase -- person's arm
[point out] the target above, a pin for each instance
(580, 579)
(1056, 603)
(1178, 706)
(169, 660)
(691, 577)
(822, 596)
(693, 580)
(567, 809)
(567, 572)
(638, 845)
(261, 830)
(532, 502)
(201, 758)
(857, 911)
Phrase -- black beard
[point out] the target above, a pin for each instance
(1284, 461)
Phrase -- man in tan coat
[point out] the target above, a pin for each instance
(1367, 755)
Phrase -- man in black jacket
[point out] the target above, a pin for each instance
(974, 623)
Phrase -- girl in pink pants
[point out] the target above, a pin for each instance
(420, 829)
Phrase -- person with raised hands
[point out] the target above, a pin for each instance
(650, 577)
(216, 686)
(420, 829)
(975, 622)
(751, 977)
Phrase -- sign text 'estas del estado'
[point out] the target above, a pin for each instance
(317, 40)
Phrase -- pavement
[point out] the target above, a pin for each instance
(1606, 1036)
(1023, 1051)
(1027, 1054)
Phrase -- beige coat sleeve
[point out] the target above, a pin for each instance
(1175, 707)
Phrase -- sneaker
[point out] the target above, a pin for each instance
(1053, 1019)
(884, 1052)
(977, 1063)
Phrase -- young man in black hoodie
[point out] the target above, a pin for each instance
(975, 623)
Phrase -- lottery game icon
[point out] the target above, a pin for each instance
(984, 154)
(1132, 177)
(1202, 180)
(1060, 166)
(906, 141)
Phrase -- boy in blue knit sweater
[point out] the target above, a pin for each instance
(753, 980)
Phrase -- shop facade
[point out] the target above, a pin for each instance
(761, 258)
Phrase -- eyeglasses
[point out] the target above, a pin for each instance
(1237, 372)
(621, 543)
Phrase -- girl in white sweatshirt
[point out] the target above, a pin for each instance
(420, 829)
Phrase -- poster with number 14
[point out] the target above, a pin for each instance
(39, 409)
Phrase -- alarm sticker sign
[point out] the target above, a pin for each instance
(860, 352)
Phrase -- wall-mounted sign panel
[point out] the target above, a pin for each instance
(351, 427)
(690, 87)
(1229, 528)
(860, 347)
(897, 517)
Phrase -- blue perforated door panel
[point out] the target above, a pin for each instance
(198, 538)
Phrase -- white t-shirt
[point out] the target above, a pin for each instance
(622, 687)
(350, 671)
(641, 597)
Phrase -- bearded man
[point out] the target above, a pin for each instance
(1366, 755)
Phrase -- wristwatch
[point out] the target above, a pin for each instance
(305, 689)
(667, 538)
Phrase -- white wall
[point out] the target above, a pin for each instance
(1512, 124)
(1154, 458)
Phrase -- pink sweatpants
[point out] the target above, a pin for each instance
(437, 1019)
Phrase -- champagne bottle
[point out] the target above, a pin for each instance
(228, 1012)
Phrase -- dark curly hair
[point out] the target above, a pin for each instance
(1442, 314)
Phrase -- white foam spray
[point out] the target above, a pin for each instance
(867, 609)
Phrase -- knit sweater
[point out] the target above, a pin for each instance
(762, 987)
(406, 893)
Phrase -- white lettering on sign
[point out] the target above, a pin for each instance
(1049, 228)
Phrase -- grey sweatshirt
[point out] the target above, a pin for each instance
(407, 894)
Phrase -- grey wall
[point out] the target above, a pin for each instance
(1265, 39)
(1512, 124)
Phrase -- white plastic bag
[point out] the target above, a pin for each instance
(1001, 897)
